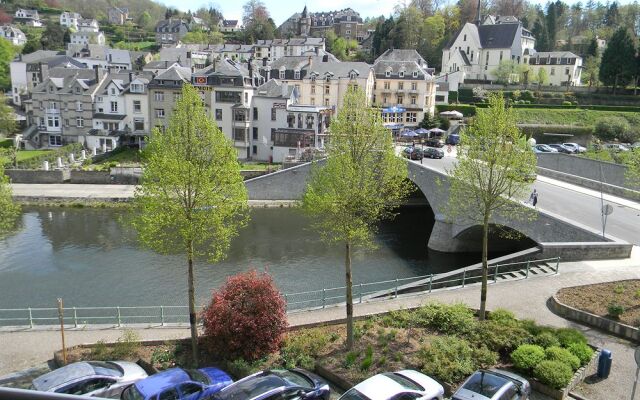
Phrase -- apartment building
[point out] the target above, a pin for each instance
(61, 109)
(118, 15)
(321, 80)
(70, 19)
(563, 68)
(28, 17)
(405, 87)
(227, 88)
(170, 31)
(13, 34)
(281, 127)
(164, 89)
(345, 23)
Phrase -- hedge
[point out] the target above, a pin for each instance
(466, 109)
(612, 108)
(538, 130)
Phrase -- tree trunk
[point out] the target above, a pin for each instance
(349, 284)
(485, 266)
(635, 86)
(192, 308)
(615, 84)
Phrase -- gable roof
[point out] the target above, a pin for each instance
(274, 88)
(175, 73)
(498, 36)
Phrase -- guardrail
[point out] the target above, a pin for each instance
(118, 316)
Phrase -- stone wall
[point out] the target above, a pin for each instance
(612, 174)
(90, 177)
(577, 251)
(37, 176)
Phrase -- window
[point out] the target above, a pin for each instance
(291, 120)
(387, 73)
(401, 74)
(273, 114)
(313, 101)
(53, 121)
(400, 85)
(467, 50)
(239, 134)
(66, 122)
(384, 99)
(326, 102)
(53, 105)
(80, 122)
(138, 124)
(413, 99)
(114, 106)
(55, 140)
(113, 91)
(500, 55)
(78, 106)
(255, 113)
(309, 121)
(313, 89)
(387, 85)
(464, 38)
(255, 133)
(255, 149)
(566, 71)
(472, 57)
(239, 116)
(327, 89)
(348, 32)
(158, 96)
(553, 71)
(189, 388)
(411, 117)
(296, 75)
(400, 99)
(170, 394)
(218, 114)
(227, 97)
(137, 107)
(137, 88)
(159, 112)
(281, 75)
(414, 86)
(415, 74)
(487, 59)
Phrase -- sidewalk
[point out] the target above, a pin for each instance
(526, 298)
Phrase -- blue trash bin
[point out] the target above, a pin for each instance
(604, 364)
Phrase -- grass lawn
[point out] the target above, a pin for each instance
(136, 46)
(125, 157)
(576, 117)
(24, 155)
(258, 166)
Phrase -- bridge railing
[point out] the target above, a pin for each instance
(159, 315)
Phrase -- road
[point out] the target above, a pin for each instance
(573, 202)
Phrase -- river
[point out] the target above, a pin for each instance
(89, 257)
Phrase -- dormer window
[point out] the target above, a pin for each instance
(50, 89)
(296, 74)
(387, 73)
(415, 74)
(77, 90)
(401, 74)
(281, 74)
(353, 74)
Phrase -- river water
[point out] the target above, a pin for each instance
(90, 258)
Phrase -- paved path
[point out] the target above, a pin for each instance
(526, 298)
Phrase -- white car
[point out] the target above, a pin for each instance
(400, 385)
(575, 147)
(93, 378)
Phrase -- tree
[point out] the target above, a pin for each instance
(506, 72)
(490, 175)
(7, 52)
(258, 24)
(144, 20)
(246, 318)
(591, 71)
(4, 17)
(192, 199)
(7, 117)
(632, 175)
(53, 37)
(199, 36)
(543, 77)
(618, 64)
(360, 184)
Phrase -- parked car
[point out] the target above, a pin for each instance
(400, 385)
(276, 384)
(93, 378)
(434, 142)
(412, 153)
(615, 147)
(543, 148)
(452, 139)
(635, 146)
(493, 385)
(575, 147)
(179, 384)
(561, 148)
(432, 152)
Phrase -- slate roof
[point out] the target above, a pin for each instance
(170, 25)
(64, 79)
(225, 68)
(339, 69)
(175, 73)
(274, 88)
(464, 57)
(396, 60)
(37, 55)
(497, 36)
(230, 23)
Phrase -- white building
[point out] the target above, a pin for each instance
(70, 19)
(281, 127)
(229, 25)
(13, 34)
(137, 120)
(88, 25)
(85, 38)
(28, 17)
(278, 48)
(478, 50)
(562, 67)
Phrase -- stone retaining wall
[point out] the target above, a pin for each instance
(90, 177)
(579, 251)
(586, 318)
(37, 176)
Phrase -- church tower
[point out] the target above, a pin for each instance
(304, 25)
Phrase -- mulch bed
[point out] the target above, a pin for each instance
(596, 299)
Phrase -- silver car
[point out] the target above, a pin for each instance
(93, 378)
(493, 384)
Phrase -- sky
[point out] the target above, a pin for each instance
(282, 9)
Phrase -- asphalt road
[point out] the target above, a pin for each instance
(575, 203)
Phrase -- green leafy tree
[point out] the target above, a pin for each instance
(198, 36)
(591, 71)
(618, 64)
(258, 24)
(9, 211)
(7, 52)
(506, 72)
(7, 117)
(633, 168)
(360, 184)
(144, 20)
(490, 176)
(192, 199)
(53, 37)
(543, 77)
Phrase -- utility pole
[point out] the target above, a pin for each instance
(61, 318)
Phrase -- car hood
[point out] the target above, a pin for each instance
(465, 394)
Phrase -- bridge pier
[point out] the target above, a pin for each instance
(443, 238)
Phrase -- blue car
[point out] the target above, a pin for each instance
(179, 384)
(277, 384)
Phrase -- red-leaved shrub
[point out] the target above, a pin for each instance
(246, 318)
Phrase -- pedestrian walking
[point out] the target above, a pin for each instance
(535, 199)
(533, 195)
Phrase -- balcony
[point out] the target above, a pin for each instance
(51, 111)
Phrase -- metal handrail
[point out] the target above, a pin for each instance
(314, 299)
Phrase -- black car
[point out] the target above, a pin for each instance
(432, 152)
(434, 142)
(412, 153)
(561, 148)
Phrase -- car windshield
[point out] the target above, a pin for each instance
(132, 393)
(106, 368)
(485, 384)
(293, 378)
(198, 376)
(250, 388)
(404, 381)
(353, 394)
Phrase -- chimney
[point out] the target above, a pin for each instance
(310, 62)
(478, 18)
(130, 77)
(96, 70)
(325, 58)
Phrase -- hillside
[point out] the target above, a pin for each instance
(98, 8)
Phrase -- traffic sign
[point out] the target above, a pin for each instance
(607, 209)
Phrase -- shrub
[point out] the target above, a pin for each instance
(610, 128)
(637, 294)
(246, 317)
(566, 103)
(301, 348)
(615, 310)
(582, 351)
(367, 361)
(456, 319)
(553, 373)
(527, 356)
(619, 289)
(546, 339)
(448, 359)
(127, 345)
(500, 336)
(556, 353)
(568, 336)
(502, 315)
(483, 357)
(240, 368)
(100, 351)
(527, 95)
(350, 359)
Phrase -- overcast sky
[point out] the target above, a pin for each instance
(282, 9)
